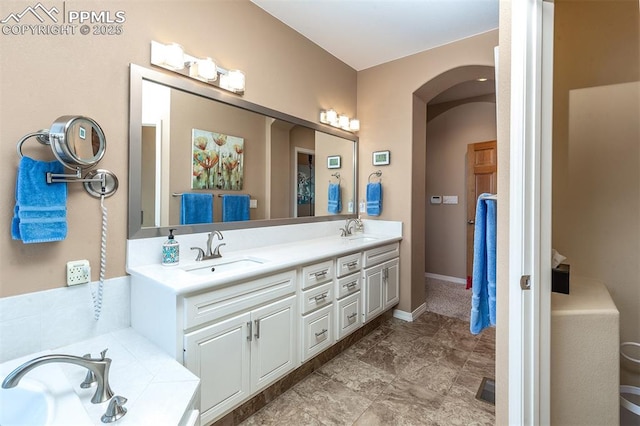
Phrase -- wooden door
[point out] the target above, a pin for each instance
(482, 170)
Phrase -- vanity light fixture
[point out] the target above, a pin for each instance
(172, 57)
(342, 121)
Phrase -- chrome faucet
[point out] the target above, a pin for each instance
(210, 254)
(98, 366)
(346, 231)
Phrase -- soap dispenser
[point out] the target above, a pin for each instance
(171, 250)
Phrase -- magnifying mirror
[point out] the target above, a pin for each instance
(77, 141)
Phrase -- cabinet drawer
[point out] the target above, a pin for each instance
(316, 297)
(347, 285)
(348, 264)
(317, 332)
(348, 317)
(205, 307)
(380, 254)
(317, 273)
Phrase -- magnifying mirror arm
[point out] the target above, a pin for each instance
(62, 177)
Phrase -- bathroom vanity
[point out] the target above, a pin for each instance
(263, 311)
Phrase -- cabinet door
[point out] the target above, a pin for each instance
(273, 351)
(348, 316)
(373, 292)
(391, 273)
(219, 355)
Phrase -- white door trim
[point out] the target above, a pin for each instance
(530, 211)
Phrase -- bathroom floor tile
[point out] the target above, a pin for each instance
(401, 374)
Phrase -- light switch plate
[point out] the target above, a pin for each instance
(449, 199)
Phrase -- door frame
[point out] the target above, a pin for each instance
(297, 151)
(530, 211)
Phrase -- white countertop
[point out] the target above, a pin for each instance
(158, 388)
(275, 258)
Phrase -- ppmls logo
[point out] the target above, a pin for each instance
(42, 20)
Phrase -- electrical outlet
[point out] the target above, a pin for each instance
(78, 272)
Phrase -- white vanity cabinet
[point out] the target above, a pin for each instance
(241, 353)
(381, 280)
(348, 295)
(316, 308)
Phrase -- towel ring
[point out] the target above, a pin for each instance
(377, 173)
(42, 136)
(335, 175)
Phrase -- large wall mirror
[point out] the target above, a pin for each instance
(188, 138)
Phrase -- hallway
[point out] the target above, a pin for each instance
(421, 373)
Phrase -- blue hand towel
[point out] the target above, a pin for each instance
(40, 213)
(235, 208)
(196, 208)
(374, 198)
(483, 300)
(334, 201)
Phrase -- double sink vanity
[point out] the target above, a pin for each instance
(275, 299)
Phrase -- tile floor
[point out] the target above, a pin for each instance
(425, 372)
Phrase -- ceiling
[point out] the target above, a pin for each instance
(366, 33)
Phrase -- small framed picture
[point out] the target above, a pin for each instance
(381, 158)
(333, 162)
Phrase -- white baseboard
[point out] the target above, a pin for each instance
(409, 316)
(445, 278)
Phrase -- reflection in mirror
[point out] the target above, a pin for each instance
(77, 141)
(186, 138)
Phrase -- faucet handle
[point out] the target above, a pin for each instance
(216, 251)
(90, 378)
(103, 354)
(115, 409)
(200, 253)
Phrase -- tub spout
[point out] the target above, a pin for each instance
(98, 366)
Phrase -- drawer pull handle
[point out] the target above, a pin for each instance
(250, 334)
(352, 316)
(320, 333)
(320, 275)
(350, 285)
(320, 298)
(352, 265)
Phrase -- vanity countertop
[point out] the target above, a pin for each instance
(273, 258)
(158, 389)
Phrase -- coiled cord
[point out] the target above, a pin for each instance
(97, 298)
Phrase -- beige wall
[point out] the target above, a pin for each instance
(44, 77)
(393, 118)
(448, 135)
(596, 152)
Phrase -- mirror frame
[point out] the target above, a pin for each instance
(137, 75)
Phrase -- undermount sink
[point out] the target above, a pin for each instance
(361, 238)
(223, 265)
(43, 397)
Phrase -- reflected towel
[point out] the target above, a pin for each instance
(235, 208)
(196, 208)
(334, 203)
(483, 299)
(40, 213)
(374, 199)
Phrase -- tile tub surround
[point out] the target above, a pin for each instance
(425, 372)
(34, 322)
(158, 389)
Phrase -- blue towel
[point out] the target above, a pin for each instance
(196, 208)
(334, 201)
(374, 198)
(483, 300)
(235, 208)
(40, 213)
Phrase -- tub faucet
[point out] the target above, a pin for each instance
(210, 254)
(99, 367)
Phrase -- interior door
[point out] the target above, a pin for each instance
(482, 173)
